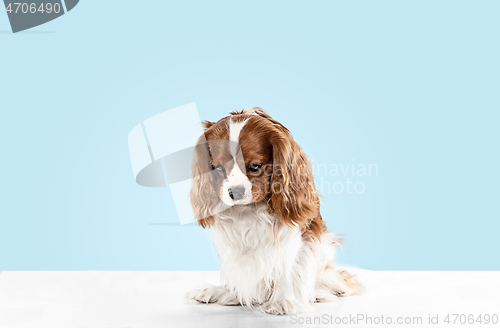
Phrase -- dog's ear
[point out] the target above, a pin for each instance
(294, 198)
(203, 195)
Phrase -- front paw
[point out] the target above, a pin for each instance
(212, 294)
(285, 307)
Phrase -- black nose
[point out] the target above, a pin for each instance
(236, 193)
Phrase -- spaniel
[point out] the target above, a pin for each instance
(253, 188)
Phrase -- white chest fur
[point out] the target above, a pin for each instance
(255, 251)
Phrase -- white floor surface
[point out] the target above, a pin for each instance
(156, 299)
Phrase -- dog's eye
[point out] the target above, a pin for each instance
(254, 167)
(220, 168)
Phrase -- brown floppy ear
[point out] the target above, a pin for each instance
(203, 196)
(294, 199)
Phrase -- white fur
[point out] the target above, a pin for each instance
(236, 177)
(234, 135)
(267, 264)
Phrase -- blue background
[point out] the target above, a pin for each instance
(410, 86)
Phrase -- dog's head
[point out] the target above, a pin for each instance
(249, 157)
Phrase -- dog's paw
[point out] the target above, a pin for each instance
(228, 298)
(209, 294)
(285, 307)
(212, 294)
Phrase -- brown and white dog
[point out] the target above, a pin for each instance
(253, 188)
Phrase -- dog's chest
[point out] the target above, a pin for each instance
(241, 230)
(254, 249)
(251, 234)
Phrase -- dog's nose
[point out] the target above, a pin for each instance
(236, 193)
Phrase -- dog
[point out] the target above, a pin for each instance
(253, 188)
